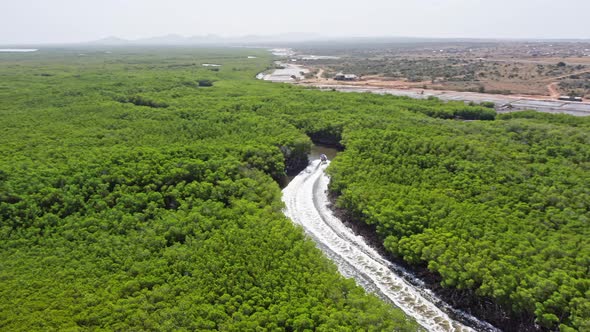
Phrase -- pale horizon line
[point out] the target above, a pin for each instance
(311, 37)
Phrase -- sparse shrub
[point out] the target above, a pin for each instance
(488, 104)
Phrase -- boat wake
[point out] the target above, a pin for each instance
(307, 202)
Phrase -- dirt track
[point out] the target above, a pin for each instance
(553, 91)
(504, 103)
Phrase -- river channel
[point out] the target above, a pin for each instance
(307, 205)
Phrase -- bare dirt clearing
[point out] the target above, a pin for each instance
(494, 67)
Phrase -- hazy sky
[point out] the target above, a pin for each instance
(41, 21)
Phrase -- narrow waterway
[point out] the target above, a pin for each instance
(307, 202)
(314, 153)
(317, 150)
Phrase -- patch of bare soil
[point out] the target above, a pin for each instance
(369, 81)
(553, 91)
(528, 88)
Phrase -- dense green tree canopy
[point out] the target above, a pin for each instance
(135, 197)
(502, 207)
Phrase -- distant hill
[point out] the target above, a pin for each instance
(175, 39)
(111, 40)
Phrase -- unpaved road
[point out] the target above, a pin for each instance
(553, 86)
(504, 103)
(553, 91)
(319, 74)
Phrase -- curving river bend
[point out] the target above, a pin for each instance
(306, 203)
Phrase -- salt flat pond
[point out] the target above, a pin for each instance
(287, 73)
(18, 50)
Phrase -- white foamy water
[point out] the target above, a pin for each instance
(306, 203)
(18, 50)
